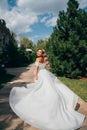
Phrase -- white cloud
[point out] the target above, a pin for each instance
(44, 19)
(17, 19)
(82, 3)
(52, 21)
(49, 21)
(3, 5)
(20, 21)
(20, 18)
(43, 6)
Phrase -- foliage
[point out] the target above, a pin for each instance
(12, 55)
(2, 66)
(40, 44)
(27, 56)
(4, 79)
(26, 43)
(2, 27)
(67, 46)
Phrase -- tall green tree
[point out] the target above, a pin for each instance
(12, 51)
(68, 42)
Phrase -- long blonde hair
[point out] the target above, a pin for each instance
(46, 61)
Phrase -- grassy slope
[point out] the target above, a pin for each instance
(79, 86)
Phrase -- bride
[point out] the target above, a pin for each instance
(47, 103)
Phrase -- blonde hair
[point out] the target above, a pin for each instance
(46, 61)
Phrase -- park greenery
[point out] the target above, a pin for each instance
(68, 42)
(66, 47)
(10, 54)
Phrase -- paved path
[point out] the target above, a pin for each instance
(8, 119)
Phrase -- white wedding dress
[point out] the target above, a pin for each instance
(47, 103)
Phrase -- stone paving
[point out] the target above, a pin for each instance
(8, 119)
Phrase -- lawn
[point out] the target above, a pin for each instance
(79, 86)
(4, 79)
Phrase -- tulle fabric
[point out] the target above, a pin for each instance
(47, 103)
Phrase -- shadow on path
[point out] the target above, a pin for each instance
(8, 119)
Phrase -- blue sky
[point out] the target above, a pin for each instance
(33, 19)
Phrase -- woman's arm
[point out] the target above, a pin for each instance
(36, 72)
(36, 69)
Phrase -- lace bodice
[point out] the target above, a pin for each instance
(41, 65)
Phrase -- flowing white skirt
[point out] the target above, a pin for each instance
(46, 104)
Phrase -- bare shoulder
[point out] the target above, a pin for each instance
(39, 59)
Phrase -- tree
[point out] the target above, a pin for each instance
(41, 44)
(68, 42)
(25, 43)
(12, 52)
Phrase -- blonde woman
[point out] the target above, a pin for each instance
(47, 103)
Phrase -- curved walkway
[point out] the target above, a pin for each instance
(8, 119)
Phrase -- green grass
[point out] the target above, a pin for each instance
(4, 79)
(79, 86)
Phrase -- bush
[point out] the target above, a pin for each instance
(2, 69)
(76, 73)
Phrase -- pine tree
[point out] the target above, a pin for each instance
(68, 42)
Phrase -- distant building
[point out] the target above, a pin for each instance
(29, 50)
